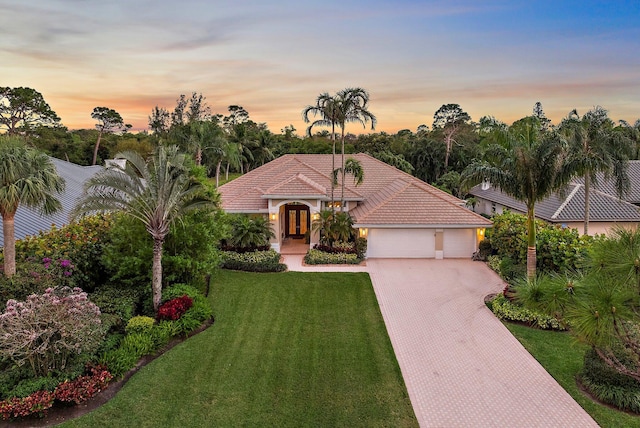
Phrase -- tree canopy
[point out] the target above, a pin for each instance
(22, 109)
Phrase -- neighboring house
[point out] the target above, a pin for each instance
(565, 208)
(400, 215)
(633, 195)
(30, 222)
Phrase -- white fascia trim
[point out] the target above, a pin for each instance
(420, 226)
(296, 197)
(261, 211)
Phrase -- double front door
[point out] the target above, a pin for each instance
(297, 220)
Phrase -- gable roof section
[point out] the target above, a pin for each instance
(568, 205)
(29, 221)
(387, 196)
(608, 186)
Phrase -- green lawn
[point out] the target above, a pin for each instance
(562, 357)
(288, 349)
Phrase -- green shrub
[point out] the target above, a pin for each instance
(121, 302)
(255, 261)
(189, 254)
(608, 385)
(120, 360)
(81, 242)
(317, 257)
(138, 343)
(505, 310)
(179, 290)
(558, 249)
(163, 332)
(361, 247)
(140, 324)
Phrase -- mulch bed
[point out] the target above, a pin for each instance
(61, 413)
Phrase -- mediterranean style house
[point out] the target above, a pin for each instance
(400, 215)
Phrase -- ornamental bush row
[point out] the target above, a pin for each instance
(505, 310)
(145, 336)
(317, 257)
(256, 261)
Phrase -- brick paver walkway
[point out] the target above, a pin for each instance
(461, 366)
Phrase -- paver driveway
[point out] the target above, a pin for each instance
(462, 367)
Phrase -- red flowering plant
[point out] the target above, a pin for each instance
(38, 402)
(173, 309)
(82, 388)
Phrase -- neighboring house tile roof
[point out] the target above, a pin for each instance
(567, 206)
(29, 221)
(386, 197)
(608, 186)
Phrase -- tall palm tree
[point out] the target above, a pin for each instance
(327, 111)
(526, 164)
(595, 147)
(28, 178)
(156, 193)
(352, 104)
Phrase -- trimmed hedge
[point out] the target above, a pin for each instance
(505, 310)
(317, 257)
(256, 261)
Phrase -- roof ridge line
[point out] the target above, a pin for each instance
(566, 201)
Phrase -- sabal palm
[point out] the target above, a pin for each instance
(156, 193)
(352, 104)
(594, 146)
(526, 164)
(28, 178)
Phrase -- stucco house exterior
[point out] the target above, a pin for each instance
(567, 208)
(400, 215)
(30, 222)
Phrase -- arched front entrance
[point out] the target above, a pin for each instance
(297, 221)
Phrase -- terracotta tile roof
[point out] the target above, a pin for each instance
(387, 196)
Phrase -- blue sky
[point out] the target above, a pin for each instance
(493, 57)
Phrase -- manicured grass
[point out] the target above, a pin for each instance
(562, 357)
(286, 349)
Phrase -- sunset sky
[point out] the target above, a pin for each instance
(274, 57)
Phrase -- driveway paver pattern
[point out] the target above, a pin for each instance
(461, 366)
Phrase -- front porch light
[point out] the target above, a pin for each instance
(273, 216)
(363, 232)
(315, 217)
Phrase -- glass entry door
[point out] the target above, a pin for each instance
(297, 220)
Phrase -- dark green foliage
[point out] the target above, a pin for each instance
(558, 249)
(190, 252)
(317, 257)
(608, 385)
(361, 247)
(248, 232)
(118, 301)
(505, 310)
(255, 261)
(82, 242)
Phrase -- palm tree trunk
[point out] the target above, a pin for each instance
(587, 202)
(342, 173)
(218, 174)
(333, 164)
(198, 156)
(9, 244)
(531, 243)
(95, 149)
(156, 282)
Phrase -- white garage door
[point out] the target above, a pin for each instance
(401, 243)
(459, 243)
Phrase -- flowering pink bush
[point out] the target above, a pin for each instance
(50, 330)
(173, 309)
